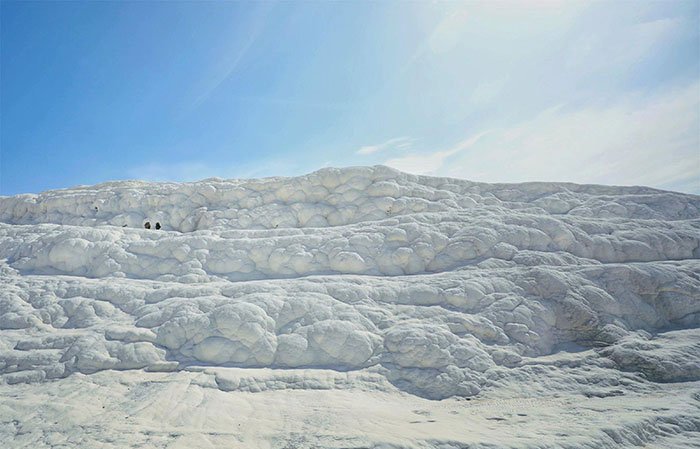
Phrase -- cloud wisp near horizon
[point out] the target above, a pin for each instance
(619, 141)
(589, 92)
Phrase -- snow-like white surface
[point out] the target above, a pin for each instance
(357, 307)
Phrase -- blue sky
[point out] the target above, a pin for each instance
(602, 92)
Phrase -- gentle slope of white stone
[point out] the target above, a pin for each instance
(360, 284)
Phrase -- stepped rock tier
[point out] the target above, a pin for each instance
(354, 307)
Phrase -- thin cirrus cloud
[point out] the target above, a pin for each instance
(638, 140)
(432, 162)
(622, 47)
(397, 143)
(231, 58)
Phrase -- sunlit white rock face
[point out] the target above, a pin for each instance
(359, 279)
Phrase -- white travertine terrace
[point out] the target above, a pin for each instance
(361, 279)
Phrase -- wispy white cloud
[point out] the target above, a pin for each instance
(622, 46)
(491, 22)
(486, 91)
(430, 163)
(638, 140)
(397, 143)
(231, 57)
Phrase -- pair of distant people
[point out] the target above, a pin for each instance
(147, 225)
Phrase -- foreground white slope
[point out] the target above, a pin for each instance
(358, 307)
